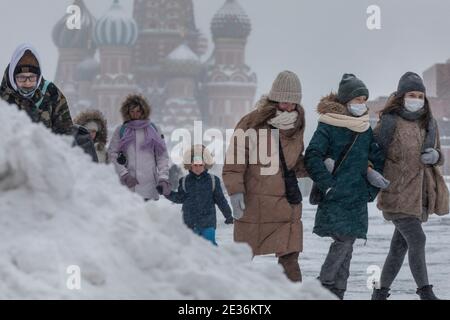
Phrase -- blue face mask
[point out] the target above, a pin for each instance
(357, 110)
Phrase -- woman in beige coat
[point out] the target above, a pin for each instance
(265, 219)
(409, 135)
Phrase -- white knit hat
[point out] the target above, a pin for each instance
(286, 88)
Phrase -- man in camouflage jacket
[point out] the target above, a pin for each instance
(24, 86)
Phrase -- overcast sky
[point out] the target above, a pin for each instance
(317, 39)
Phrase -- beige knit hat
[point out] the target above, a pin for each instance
(286, 88)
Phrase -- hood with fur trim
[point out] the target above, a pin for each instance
(135, 99)
(336, 114)
(330, 104)
(94, 115)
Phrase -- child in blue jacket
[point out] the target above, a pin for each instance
(199, 192)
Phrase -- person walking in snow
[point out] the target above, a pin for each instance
(200, 192)
(95, 122)
(267, 207)
(138, 150)
(24, 85)
(409, 136)
(343, 135)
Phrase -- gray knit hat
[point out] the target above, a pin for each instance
(286, 88)
(350, 88)
(410, 81)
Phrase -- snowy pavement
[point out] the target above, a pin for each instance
(372, 253)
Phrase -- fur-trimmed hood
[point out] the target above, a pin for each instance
(94, 115)
(336, 114)
(133, 100)
(330, 104)
(266, 110)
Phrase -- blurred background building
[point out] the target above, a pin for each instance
(160, 53)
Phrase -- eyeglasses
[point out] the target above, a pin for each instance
(23, 79)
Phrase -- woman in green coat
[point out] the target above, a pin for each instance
(344, 138)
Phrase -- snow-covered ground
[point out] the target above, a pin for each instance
(368, 256)
(59, 210)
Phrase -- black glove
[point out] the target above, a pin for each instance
(229, 220)
(122, 159)
(164, 188)
(82, 139)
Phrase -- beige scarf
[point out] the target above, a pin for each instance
(361, 124)
(284, 120)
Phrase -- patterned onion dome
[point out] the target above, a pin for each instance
(231, 21)
(116, 28)
(87, 70)
(77, 38)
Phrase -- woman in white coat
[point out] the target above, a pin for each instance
(138, 151)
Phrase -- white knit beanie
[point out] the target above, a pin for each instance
(286, 88)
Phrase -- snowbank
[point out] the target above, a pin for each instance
(57, 209)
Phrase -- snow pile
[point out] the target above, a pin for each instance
(57, 210)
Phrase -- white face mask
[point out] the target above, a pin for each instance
(414, 105)
(357, 109)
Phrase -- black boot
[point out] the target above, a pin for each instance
(380, 294)
(337, 292)
(426, 293)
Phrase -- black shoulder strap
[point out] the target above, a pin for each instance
(345, 152)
